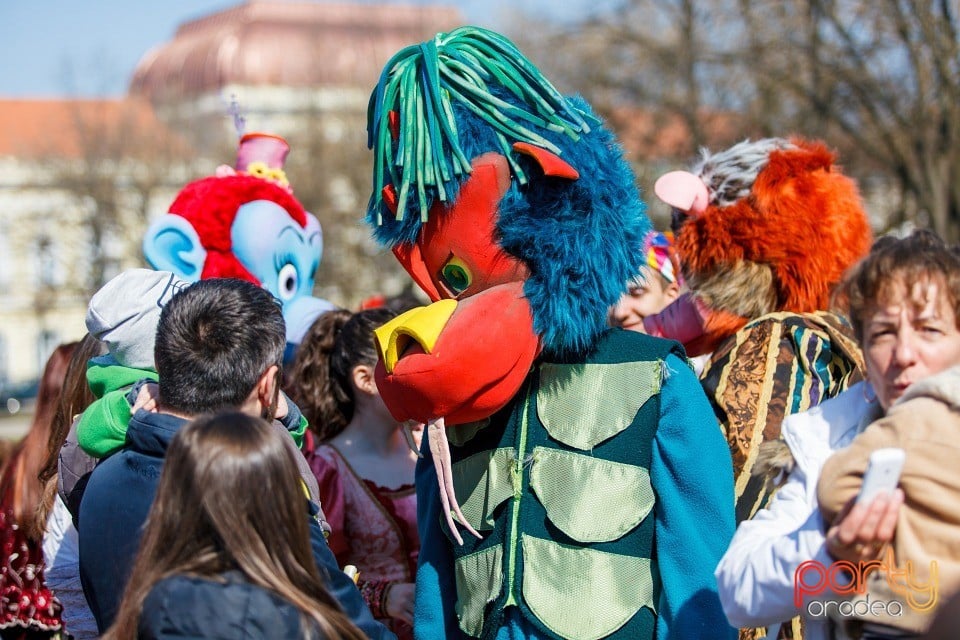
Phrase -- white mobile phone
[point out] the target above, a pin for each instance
(882, 474)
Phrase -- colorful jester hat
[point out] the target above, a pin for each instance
(510, 206)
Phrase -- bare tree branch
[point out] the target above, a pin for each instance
(877, 79)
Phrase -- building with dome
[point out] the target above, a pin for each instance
(281, 61)
(80, 180)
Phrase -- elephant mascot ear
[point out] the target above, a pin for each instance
(172, 244)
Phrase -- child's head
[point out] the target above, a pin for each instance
(124, 314)
(658, 284)
(335, 363)
(230, 498)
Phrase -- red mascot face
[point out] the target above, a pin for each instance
(464, 356)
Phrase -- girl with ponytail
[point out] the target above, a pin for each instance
(362, 461)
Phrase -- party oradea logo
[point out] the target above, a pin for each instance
(844, 578)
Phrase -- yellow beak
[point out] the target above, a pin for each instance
(423, 325)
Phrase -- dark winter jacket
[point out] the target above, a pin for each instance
(114, 509)
(76, 465)
(233, 609)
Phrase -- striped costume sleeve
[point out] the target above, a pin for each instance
(777, 365)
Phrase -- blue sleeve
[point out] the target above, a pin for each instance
(341, 586)
(692, 475)
(434, 615)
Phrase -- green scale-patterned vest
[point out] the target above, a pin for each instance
(558, 483)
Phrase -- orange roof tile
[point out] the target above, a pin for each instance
(70, 128)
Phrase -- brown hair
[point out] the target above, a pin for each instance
(320, 384)
(893, 262)
(74, 398)
(229, 498)
(23, 489)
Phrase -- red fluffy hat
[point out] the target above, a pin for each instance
(764, 226)
(211, 204)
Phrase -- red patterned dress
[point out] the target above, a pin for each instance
(28, 609)
(374, 529)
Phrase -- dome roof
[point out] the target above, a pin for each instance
(285, 43)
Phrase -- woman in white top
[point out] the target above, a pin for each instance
(886, 296)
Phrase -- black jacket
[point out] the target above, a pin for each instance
(182, 607)
(115, 506)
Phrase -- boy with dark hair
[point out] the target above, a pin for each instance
(219, 345)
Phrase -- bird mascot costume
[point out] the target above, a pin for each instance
(245, 222)
(574, 483)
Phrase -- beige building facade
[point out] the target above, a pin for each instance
(80, 180)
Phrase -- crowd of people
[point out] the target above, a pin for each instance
(204, 458)
(190, 474)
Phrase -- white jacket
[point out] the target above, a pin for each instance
(755, 577)
(62, 572)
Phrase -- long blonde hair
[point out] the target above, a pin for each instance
(229, 498)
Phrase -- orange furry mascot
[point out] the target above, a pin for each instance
(764, 231)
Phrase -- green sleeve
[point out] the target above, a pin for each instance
(102, 429)
(297, 433)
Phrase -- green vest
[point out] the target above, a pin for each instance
(558, 483)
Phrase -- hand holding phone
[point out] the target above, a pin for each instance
(882, 474)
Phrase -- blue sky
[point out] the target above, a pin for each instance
(90, 47)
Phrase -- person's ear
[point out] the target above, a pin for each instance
(672, 291)
(363, 379)
(268, 386)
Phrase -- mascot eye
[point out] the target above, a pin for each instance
(287, 282)
(455, 276)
